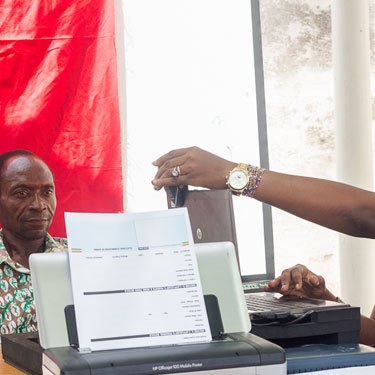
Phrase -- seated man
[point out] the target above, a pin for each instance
(27, 206)
(300, 281)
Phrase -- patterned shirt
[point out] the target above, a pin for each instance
(17, 310)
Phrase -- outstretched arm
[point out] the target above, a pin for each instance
(334, 205)
(367, 334)
(337, 206)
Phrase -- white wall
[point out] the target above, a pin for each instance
(187, 78)
(300, 117)
(299, 80)
(301, 135)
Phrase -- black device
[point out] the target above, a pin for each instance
(176, 195)
(286, 321)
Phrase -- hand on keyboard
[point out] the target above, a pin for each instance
(300, 281)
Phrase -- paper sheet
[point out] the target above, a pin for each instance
(135, 280)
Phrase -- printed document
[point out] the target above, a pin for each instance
(135, 280)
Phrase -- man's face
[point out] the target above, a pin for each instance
(27, 197)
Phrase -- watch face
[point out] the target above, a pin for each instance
(238, 180)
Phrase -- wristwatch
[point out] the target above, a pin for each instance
(238, 179)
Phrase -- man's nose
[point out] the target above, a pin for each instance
(38, 202)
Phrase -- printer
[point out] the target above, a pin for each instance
(228, 353)
(234, 353)
(232, 349)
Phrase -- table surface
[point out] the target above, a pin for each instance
(6, 369)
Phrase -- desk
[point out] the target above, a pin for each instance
(368, 370)
(6, 369)
(323, 359)
(22, 349)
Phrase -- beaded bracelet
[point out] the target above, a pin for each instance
(255, 175)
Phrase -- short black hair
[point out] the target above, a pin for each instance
(9, 154)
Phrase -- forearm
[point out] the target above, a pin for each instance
(367, 334)
(367, 330)
(331, 204)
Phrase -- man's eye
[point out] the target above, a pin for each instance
(49, 192)
(21, 193)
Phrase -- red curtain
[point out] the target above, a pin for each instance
(58, 98)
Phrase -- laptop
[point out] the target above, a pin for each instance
(212, 219)
(218, 270)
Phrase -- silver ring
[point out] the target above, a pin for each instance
(176, 171)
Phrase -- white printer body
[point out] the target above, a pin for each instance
(227, 353)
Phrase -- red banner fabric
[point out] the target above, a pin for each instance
(58, 98)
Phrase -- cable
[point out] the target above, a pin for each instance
(284, 323)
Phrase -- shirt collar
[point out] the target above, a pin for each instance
(52, 246)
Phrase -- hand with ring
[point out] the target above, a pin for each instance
(191, 166)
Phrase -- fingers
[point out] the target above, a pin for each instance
(198, 168)
(171, 168)
(273, 285)
(295, 275)
(170, 173)
(289, 279)
(297, 280)
(170, 156)
(165, 169)
(302, 273)
(169, 181)
(314, 280)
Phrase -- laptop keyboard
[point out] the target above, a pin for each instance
(262, 302)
